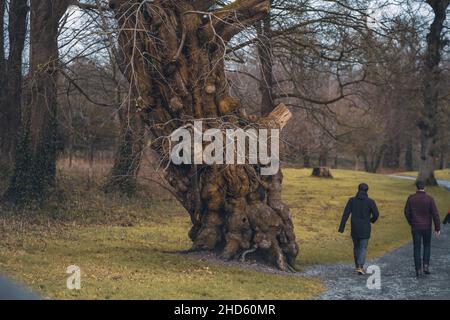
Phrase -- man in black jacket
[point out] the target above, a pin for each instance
(364, 211)
(420, 210)
(447, 218)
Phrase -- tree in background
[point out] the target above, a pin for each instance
(87, 111)
(127, 161)
(11, 74)
(132, 134)
(305, 51)
(35, 159)
(430, 113)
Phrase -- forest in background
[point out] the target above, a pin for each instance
(351, 71)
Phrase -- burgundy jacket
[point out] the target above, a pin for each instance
(420, 209)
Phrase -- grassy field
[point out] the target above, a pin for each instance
(127, 248)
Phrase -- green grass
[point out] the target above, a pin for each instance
(137, 263)
(126, 248)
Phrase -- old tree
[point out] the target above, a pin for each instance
(429, 123)
(173, 56)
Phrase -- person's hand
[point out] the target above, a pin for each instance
(437, 233)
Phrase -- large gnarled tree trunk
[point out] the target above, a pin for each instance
(175, 51)
(429, 123)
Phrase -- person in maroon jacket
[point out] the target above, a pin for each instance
(420, 211)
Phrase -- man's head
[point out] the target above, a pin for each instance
(363, 187)
(420, 185)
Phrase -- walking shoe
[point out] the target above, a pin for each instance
(360, 271)
(426, 269)
(419, 273)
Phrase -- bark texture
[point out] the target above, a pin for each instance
(174, 54)
(35, 161)
(265, 55)
(409, 156)
(11, 76)
(2, 38)
(391, 158)
(123, 175)
(429, 123)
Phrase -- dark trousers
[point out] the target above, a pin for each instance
(420, 236)
(359, 251)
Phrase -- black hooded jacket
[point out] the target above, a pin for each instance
(364, 211)
(447, 218)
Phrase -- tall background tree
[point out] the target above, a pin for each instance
(431, 115)
(35, 160)
(11, 74)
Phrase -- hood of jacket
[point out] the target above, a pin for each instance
(361, 195)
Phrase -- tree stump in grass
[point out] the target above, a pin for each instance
(322, 172)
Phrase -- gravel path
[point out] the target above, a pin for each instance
(398, 279)
(443, 183)
(10, 290)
